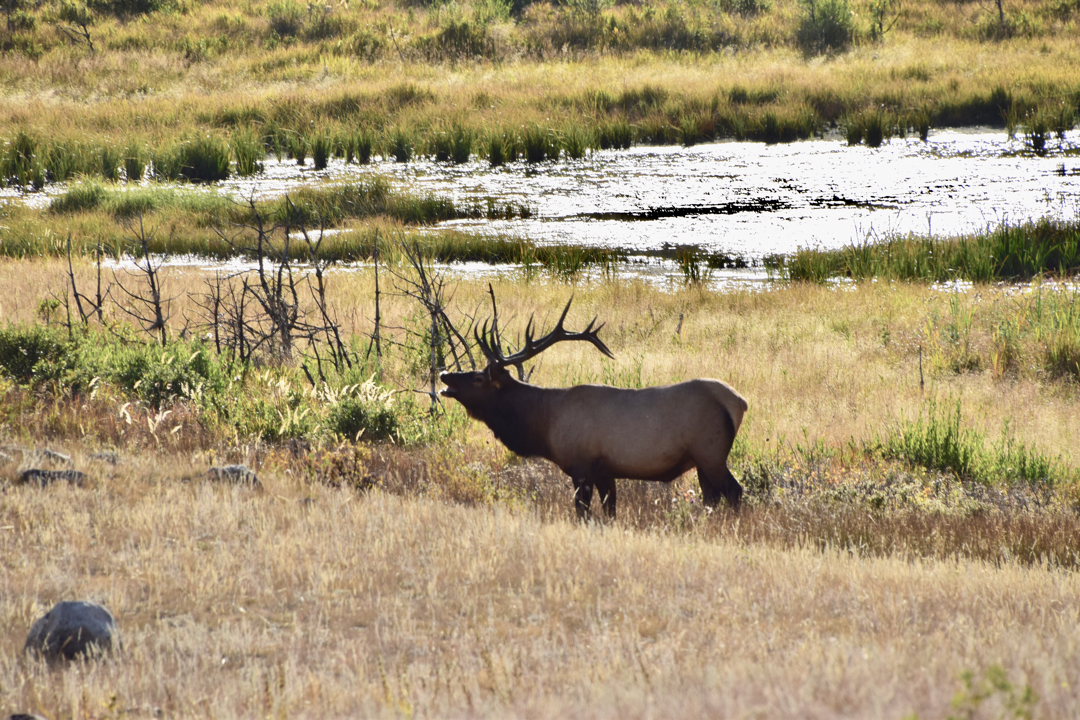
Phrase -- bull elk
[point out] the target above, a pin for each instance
(597, 433)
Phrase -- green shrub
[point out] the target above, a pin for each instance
(22, 348)
(826, 25)
(156, 376)
(365, 411)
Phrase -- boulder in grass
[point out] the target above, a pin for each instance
(51, 457)
(41, 478)
(106, 456)
(73, 629)
(236, 474)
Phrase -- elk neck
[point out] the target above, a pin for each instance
(521, 418)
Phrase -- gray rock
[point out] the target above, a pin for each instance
(71, 629)
(41, 478)
(11, 450)
(238, 474)
(51, 457)
(106, 456)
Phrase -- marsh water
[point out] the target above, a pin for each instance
(744, 199)
(750, 199)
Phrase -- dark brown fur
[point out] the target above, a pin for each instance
(597, 433)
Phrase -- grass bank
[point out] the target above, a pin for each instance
(364, 214)
(166, 85)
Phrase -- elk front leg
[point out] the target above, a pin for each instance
(719, 483)
(583, 488)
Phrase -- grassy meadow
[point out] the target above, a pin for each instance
(910, 541)
(909, 545)
(309, 601)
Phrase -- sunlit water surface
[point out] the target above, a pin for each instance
(744, 199)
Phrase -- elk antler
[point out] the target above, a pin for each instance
(489, 341)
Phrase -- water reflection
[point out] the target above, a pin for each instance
(752, 199)
(743, 199)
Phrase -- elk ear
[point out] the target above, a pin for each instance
(495, 375)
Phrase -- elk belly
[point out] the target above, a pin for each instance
(636, 434)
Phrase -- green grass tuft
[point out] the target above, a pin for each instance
(248, 151)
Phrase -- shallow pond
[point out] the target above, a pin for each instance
(740, 198)
(751, 199)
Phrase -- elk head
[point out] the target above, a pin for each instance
(478, 390)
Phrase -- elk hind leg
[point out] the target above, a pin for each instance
(606, 487)
(718, 482)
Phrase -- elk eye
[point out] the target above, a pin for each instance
(478, 381)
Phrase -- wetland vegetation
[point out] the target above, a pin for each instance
(199, 90)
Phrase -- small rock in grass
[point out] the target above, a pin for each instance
(41, 478)
(106, 456)
(71, 629)
(238, 474)
(52, 457)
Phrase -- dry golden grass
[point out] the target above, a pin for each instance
(305, 601)
(459, 586)
(817, 364)
(129, 92)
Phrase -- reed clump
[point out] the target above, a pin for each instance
(1008, 252)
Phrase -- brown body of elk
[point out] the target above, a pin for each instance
(597, 433)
